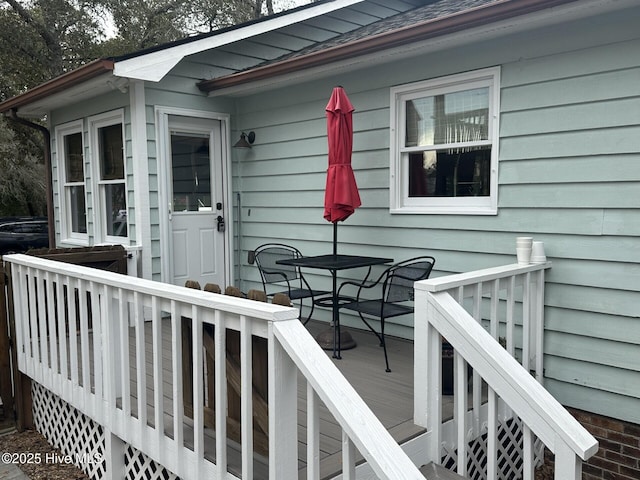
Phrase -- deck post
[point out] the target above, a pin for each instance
(23, 402)
(114, 456)
(568, 465)
(6, 386)
(283, 399)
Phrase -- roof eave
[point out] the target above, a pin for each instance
(476, 17)
(58, 84)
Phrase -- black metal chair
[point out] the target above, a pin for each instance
(396, 294)
(272, 273)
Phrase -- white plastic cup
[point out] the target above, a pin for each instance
(537, 253)
(524, 255)
(524, 242)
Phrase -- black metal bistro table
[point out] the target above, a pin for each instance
(333, 263)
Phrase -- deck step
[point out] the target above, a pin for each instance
(432, 471)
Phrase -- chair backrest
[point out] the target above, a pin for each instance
(398, 284)
(266, 257)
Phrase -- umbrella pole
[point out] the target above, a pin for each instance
(335, 239)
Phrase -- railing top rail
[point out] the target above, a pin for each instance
(374, 442)
(448, 282)
(239, 306)
(528, 398)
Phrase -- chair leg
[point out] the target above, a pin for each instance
(380, 338)
(384, 345)
(313, 305)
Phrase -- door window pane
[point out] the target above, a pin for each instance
(191, 172)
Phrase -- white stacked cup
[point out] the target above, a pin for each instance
(537, 253)
(523, 250)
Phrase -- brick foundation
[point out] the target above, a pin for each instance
(618, 457)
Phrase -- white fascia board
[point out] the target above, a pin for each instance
(155, 65)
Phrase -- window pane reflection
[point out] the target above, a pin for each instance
(115, 209)
(111, 152)
(459, 172)
(448, 118)
(78, 211)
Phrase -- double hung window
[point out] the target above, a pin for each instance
(444, 145)
(69, 139)
(109, 161)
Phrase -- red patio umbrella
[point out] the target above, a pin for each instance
(341, 196)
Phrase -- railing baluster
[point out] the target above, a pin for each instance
(41, 312)
(84, 339)
(434, 390)
(220, 336)
(510, 317)
(125, 374)
(492, 434)
(495, 301)
(197, 356)
(72, 322)
(158, 390)
(348, 458)
(62, 336)
(110, 343)
(246, 399)
(460, 413)
(527, 453)
(539, 326)
(96, 354)
(176, 377)
(53, 337)
(313, 434)
(141, 363)
(526, 322)
(33, 320)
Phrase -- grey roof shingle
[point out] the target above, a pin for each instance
(434, 10)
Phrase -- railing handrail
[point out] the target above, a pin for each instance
(439, 284)
(374, 442)
(264, 311)
(544, 415)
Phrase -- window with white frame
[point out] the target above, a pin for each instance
(444, 144)
(107, 144)
(73, 213)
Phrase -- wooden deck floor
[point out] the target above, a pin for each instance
(389, 395)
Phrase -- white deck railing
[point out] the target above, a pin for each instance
(73, 328)
(472, 311)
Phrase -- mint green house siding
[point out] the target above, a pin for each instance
(569, 175)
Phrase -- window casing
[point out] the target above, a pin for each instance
(107, 145)
(444, 145)
(73, 208)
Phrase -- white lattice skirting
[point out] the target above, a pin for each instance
(510, 453)
(80, 438)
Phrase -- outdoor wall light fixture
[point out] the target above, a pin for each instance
(246, 140)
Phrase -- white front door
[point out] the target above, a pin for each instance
(197, 209)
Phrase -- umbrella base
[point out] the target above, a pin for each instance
(325, 340)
